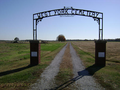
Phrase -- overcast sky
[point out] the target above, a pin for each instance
(16, 19)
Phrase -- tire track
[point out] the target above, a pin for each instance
(84, 81)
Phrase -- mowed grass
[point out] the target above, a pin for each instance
(15, 72)
(108, 76)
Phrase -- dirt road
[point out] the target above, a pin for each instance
(83, 81)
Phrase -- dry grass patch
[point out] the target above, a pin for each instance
(65, 73)
(112, 49)
(87, 46)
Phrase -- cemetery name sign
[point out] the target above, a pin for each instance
(97, 16)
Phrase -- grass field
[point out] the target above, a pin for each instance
(109, 76)
(15, 72)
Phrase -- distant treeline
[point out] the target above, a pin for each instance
(42, 41)
(12, 41)
(21, 41)
(92, 40)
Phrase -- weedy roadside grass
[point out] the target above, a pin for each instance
(65, 73)
(15, 72)
(108, 76)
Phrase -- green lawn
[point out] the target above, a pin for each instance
(15, 71)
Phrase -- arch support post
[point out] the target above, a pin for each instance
(34, 28)
(34, 52)
(100, 22)
(100, 53)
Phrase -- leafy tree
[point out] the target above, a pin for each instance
(16, 39)
(61, 38)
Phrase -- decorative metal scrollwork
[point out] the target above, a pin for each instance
(97, 16)
(67, 11)
(38, 20)
(97, 19)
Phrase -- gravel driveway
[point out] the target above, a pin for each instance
(46, 80)
(83, 81)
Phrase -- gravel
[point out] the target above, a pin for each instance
(85, 81)
(46, 80)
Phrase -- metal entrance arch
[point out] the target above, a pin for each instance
(97, 16)
(100, 45)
